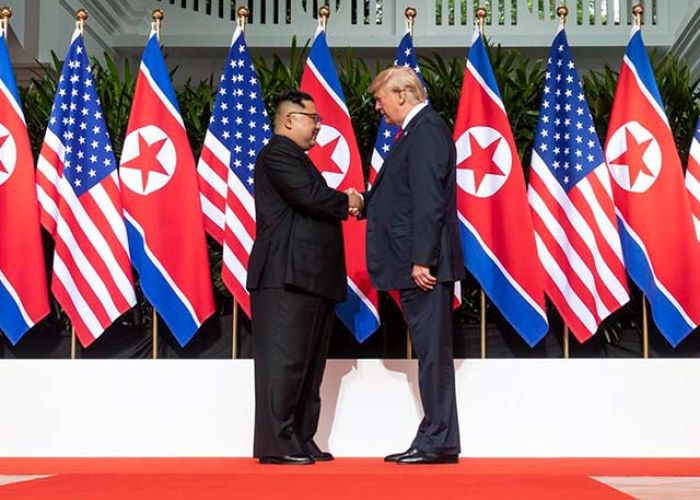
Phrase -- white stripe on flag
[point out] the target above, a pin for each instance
(60, 272)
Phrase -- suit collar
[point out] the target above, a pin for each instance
(412, 124)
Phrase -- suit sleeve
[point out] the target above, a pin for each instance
(303, 192)
(427, 170)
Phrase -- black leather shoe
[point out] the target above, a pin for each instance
(299, 459)
(322, 456)
(428, 458)
(394, 457)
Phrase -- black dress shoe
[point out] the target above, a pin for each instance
(428, 458)
(394, 457)
(322, 456)
(298, 459)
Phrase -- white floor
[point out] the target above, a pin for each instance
(204, 408)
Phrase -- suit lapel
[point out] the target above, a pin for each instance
(399, 142)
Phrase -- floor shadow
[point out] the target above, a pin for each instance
(330, 393)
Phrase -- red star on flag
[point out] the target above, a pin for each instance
(147, 160)
(481, 161)
(325, 158)
(633, 158)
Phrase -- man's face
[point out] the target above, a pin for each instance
(389, 104)
(305, 123)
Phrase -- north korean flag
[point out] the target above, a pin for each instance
(653, 211)
(497, 232)
(161, 203)
(337, 157)
(24, 298)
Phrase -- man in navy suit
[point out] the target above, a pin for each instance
(296, 275)
(413, 247)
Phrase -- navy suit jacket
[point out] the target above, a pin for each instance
(411, 209)
(299, 238)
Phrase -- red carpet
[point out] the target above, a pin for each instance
(369, 478)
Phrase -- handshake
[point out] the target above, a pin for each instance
(355, 200)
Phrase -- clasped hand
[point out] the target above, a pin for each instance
(355, 201)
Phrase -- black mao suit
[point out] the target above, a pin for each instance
(412, 219)
(296, 274)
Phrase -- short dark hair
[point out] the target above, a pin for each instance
(294, 96)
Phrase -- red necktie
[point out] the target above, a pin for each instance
(398, 134)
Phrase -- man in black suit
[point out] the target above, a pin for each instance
(413, 247)
(296, 275)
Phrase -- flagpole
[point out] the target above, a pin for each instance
(563, 12)
(410, 14)
(638, 12)
(73, 346)
(481, 14)
(81, 16)
(242, 22)
(6, 13)
(324, 12)
(157, 16)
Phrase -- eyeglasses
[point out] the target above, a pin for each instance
(314, 116)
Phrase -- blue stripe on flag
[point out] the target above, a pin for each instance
(515, 308)
(356, 316)
(480, 60)
(153, 59)
(12, 323)
(6, 74)
(320, 56)
(637, 54)
(158, 291)
(667, 317)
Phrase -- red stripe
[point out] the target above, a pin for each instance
(49, 188)
(83, 287)
(239, 210)
(562, 261)
(81, 330)
(86, 243)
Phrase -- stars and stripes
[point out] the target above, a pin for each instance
(79, 193)
(571, 200)
(238, 129)
(692, 179)
(23, 291)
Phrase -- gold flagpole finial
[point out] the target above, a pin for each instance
(243, 14)
(562, 12)
(410, 14)
(323, 14)
(6, 14)
(638, 12)
(81, 16)
(157, 15)
(481, 14)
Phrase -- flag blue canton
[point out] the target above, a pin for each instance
(405, 56)
(697, 131)
(76, 119)
(566, 138)
(239, 118)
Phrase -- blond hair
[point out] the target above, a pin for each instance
(398, 78)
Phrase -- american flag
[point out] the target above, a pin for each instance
(692, 179)
(386, 134)
(571, 201)
(78, 191)
(238, 130)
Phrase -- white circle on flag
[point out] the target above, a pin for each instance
(616, 149)
(490, 183)
(8, 154)
(339, 155)
(148, 176)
